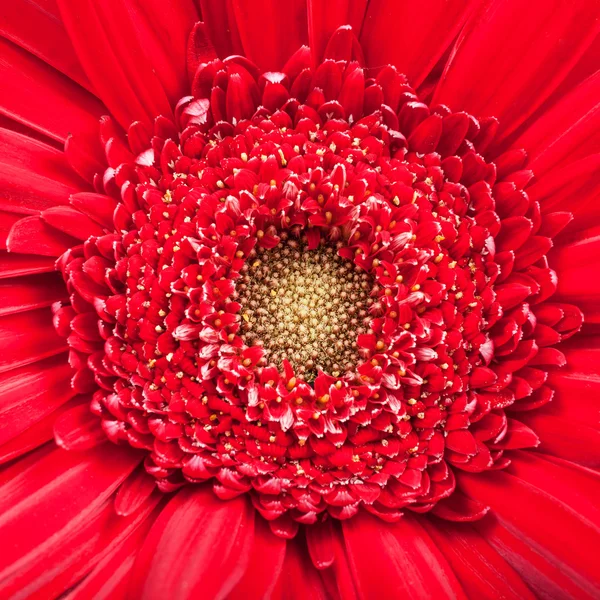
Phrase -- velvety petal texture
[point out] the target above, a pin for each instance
(166, 169)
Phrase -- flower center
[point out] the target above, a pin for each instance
(305, 306)
(309, 301)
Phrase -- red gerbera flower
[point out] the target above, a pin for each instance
(292, 321)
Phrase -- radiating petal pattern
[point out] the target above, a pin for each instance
(299, 299)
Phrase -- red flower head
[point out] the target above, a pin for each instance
(316, 284)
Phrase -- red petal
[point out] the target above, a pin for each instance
(426, 136)
(97, 206)
(528, 510)
(575, 393)
(319, 538)
(531, 251)
(41, 511)
(206, 556)
(343, 45)
(324, 18)
(86, 156)
(352, 94)
(270, 30)
(37, 28)
(7, 220)
(459, 507)
(399, 557)
(482, 572)
(200, 49)
(72, 222)
(577, 442)
(284, 526)
(568, 131)
(40, 97)
(33, 437)
(575, 263)
(221, 26)
(33, 175)
(123, 57)
(134, 491)
(161, 34)
(32, 236)
(239, 100)
(110, 577)
(16, 265)
(79, 429)
(511, 294)
(26, 338)
(462, 441)
(518, 435)
(411, 36)
(28, 192)
(567, 188)
(31, 292)
(577, 487)
(344, 579)
(507, 88)
(553, 223)
(543, 574)
(299, 578)
(29, 394)
(264, 568)
(34, 157)
(514, 232)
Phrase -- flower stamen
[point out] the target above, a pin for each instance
(305, 306)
